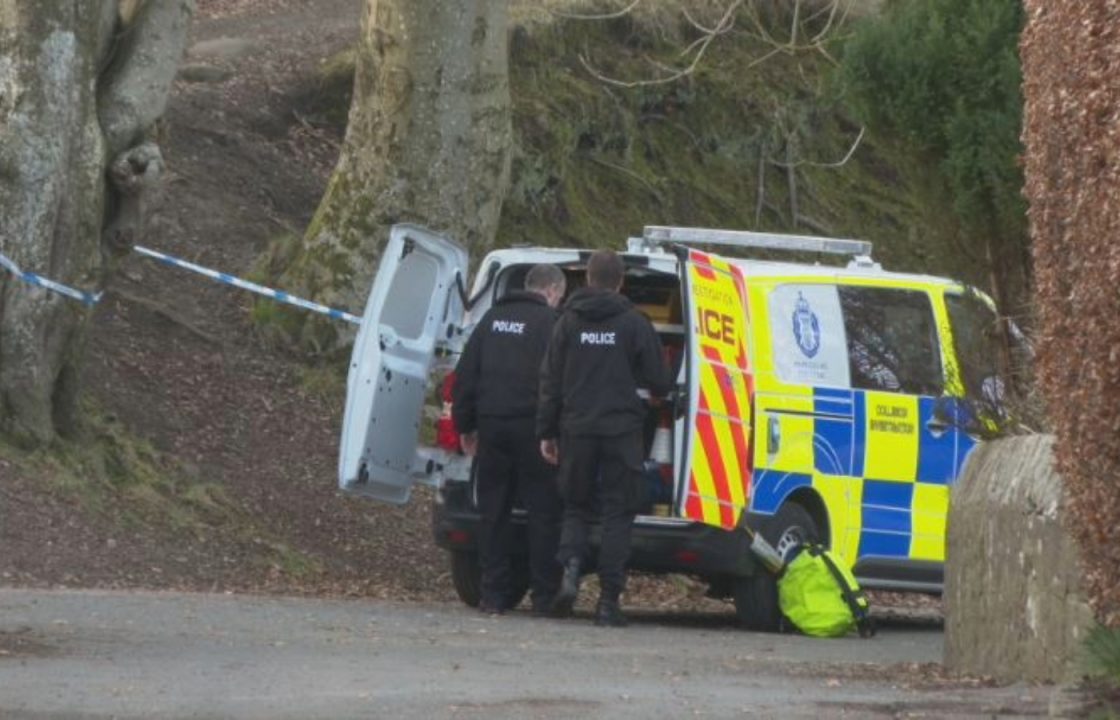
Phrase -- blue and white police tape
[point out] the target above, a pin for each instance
(86, 298)
(279, 295)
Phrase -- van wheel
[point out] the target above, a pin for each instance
(790, 527)
(756, 597)
(466, 575)
(756, 602)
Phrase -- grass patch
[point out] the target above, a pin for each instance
(285, 560)
(326, 382)
(1102, 649)
(1102, 665)
(121, 482)
(113, 475)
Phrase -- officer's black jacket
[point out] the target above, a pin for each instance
(498, 372)
(602, 350)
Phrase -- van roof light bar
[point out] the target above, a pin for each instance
(654, 235)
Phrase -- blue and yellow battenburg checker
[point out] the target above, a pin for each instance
(882, 472)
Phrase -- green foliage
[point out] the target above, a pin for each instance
(1102, 665)
(943, 76)
(593, 162)
(1102, 650)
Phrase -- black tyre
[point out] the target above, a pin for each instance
(756, 602)
(466, 575)
(756, 597)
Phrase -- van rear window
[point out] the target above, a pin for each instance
(411, 295)
(892, 340)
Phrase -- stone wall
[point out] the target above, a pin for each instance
(1014, 607)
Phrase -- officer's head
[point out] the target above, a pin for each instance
(605, 270)
(547, 280)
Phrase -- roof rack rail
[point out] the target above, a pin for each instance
(656, 235)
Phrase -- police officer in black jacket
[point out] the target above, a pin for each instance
(494, 404)
(590, 423)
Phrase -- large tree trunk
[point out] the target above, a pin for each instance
(428, 141)
(81, 82)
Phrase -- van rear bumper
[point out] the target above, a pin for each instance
(657, 545)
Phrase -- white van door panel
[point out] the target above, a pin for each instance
(414, 309)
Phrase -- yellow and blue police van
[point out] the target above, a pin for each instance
(830, 401)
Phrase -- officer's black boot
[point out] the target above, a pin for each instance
(608, 613)
(569, 589)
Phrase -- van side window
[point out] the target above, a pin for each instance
(976, 341)
(806, 336)
(892, 340)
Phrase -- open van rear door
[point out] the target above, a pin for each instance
(716, 472)
(414, 307)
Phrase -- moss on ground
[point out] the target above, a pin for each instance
(120, 482)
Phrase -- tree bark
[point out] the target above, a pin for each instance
(81, 83)
(428, 141)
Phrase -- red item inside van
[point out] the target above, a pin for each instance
(446, 436)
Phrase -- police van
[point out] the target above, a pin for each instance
(835, 402)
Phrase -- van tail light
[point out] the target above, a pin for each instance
(687, 557)
(458, 537)
(446, 436)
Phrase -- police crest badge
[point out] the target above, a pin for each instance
(806, 328)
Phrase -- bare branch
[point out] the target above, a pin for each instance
(607, 16)
(708, 33)
(761, 198)
(629, 173)
(839, 163)
(724, 24)
(834, 9)
(794, 24)
(791, 179)
(695, 23)
(837, 13)
(816, 226)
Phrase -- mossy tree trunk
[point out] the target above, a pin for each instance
(81, 83)
(428, 141)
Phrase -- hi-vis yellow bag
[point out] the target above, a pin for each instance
(821, 597)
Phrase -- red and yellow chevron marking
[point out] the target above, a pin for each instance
(720, 475)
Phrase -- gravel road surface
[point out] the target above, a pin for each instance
(89, 655)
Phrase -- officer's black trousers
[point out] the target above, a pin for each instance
(510, 466)
(600, 473)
